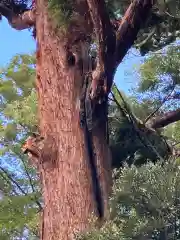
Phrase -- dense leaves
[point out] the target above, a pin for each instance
(20, 193)
(144, 204)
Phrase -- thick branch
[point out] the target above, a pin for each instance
(18, 21)
(23, 21)
(105, 37)
(165, 120)
(135, 16)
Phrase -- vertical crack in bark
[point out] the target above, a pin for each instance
(86, 122)
(86, 118)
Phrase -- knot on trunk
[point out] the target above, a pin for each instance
(33, 147)
(98, 88)
(38, 148)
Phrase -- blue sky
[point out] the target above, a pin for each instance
(15, 42)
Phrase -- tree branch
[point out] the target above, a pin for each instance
(162, 103)
(8, 181)
(31, 184)
(18, 21)
(140, 129)
(146, 39)
(13, 181)
(106, 41)
(165, 120)
(23, 21)
(18, 186)
(135, 16)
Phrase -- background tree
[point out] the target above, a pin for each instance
(144, 204)
(160, 82)
(20, 202)
(131, 140)
(155, 102)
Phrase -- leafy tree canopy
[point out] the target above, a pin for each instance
(144, 204)
(20, 193)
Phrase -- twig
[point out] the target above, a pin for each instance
(15, 182)
(31, 184)
(9, 181)
(162, 103)
(136, 128)
(146, 39)
(12, 180)
(175, 144)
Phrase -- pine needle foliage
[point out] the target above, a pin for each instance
(61, 12)
(144, 204)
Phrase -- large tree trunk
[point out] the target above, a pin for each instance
(62, 157)
(66, 177)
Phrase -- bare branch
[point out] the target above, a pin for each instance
(135, 16)
(165, 120)
(175, 144)
(162, 103)
(146, 39)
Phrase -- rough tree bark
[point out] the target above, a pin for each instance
(66, 178)
(65, 174)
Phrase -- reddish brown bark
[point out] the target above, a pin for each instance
(66, 180)
(106, 40)
(136, 15)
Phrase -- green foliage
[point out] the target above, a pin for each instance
(19, 101)
(117, 8)
(158, 91)
(24, 111)
(144, 204)
(161, 70)
(20, 192)
(130, 141)
(15, 211)
(61, 12)
(160, 84)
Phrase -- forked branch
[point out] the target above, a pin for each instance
(106, 40)
(110, 54)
